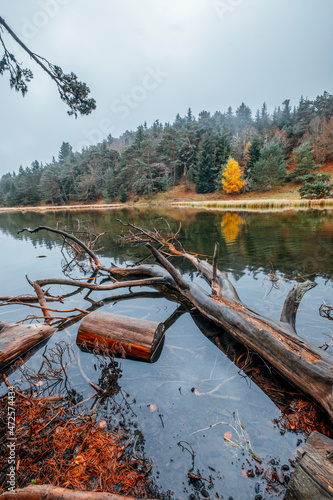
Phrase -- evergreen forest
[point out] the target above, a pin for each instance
(291, 144)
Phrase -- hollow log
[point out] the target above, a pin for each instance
(135, 338)
(50, 492)
(16, 339)
(313, 475)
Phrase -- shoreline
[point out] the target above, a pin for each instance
(245, 204)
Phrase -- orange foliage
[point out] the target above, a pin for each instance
(320, 136)
(57, 448)
(323, 146)
(281, 134)
(303, 416)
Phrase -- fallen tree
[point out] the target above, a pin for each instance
(16, 339)
(304, 365)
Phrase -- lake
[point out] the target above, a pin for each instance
(199, 388)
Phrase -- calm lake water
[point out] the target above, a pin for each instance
(194, 384)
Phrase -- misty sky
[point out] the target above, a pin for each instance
(151, 59)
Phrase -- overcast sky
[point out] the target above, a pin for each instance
(151, 59)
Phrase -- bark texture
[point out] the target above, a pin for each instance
(16, 339)
(135, 338)
(312, 478)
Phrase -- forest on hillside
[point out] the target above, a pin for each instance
(233, 151)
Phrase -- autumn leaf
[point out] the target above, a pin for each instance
(244, 473)
(153, 408)
(227, 436)
(102, 424)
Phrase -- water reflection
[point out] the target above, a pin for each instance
(231, 224)
(294, 244)
(297, 243)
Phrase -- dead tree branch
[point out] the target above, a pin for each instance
(306, 366)
(65, 235)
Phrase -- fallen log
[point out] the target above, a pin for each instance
(304, 365)
(313, 475)
(16, 339)
(50, 492)
(134, 338)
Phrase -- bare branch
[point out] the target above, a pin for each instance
(66, 235)
(293, 299)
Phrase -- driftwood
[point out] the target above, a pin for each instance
(134, 338)
(50, 492)
(18, 299)
(16, 339)
(307, 367)
(313, 476)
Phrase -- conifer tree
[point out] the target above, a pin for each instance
(208, 169)
(64, 152)
(303, 158)
(270, 169)
(231, 177)
(316, 185)
(72, 92)
(253, 154)
(224, 146)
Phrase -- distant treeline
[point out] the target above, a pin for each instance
(190, 150)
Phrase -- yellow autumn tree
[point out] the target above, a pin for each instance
(231, 177)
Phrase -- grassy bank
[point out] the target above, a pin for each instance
(284, 197)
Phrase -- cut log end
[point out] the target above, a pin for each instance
(133, 338)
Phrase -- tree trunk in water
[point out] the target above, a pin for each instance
(313, 476)
(131, 337)
(17, 339)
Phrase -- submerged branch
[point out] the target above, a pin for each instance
(293, 299)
